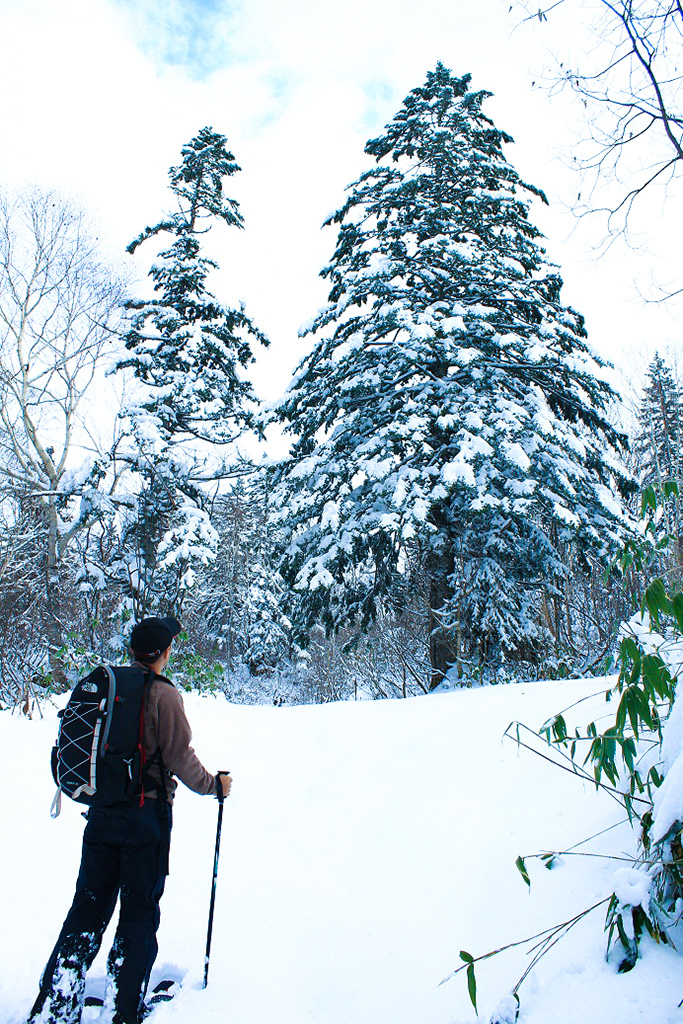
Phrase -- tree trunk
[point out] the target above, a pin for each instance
(53, 625)
(440, 566)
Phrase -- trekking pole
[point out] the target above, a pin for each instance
(221, 798)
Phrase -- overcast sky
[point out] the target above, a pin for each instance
(99, 96)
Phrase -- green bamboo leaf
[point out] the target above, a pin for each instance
(656, 676)
(629, 961)
(636, 669)
(634, 707)
(559, 728)
(629, 649)
(648, 500)
(628, 750)
(657, 601)
(630, 659)
(521, 867)
(643, 710)
(677, 607)
(472, 987)
(625, 941)
(636, 782)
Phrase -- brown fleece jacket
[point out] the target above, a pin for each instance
(167, 730)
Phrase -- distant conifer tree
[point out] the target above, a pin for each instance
(240, 598)
(658, 451)
(660, 418)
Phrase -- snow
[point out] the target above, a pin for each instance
(517, 456)
(454, 324)
(632, 887)
(565, 514)
(376, 469)
(458, 470)
(306, 326)
(668, 799)
(506, 1011)
(473, 420)
(330, 515)
(608, 499)
(364, 845)
(672, 744)
(466, 355)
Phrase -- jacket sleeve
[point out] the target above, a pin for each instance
(174, 736)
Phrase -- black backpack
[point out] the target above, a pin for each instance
(99, 756)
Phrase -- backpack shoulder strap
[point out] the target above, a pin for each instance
(155, 758)
(109, 672)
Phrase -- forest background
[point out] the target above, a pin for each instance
(94, 533)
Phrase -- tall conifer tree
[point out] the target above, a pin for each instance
(450, 399)
(185, 350)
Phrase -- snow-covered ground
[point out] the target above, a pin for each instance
(364, 845)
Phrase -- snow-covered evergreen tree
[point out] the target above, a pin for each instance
(268, 634)
(241, 596)
(658, 451)
(660, 419)
(183, 344)
(185, 350)
(451, 401)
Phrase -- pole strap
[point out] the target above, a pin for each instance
(56, 804)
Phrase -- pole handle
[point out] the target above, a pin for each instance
(219, 786)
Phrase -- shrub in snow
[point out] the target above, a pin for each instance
(638, 760)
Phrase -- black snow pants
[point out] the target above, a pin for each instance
(125, 854)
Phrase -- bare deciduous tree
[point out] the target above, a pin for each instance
(59, 308)
(630, 80)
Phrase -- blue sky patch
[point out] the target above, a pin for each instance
(196, 35)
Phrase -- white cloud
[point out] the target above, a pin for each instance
(105, 92)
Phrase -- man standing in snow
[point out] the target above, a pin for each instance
(125, 853)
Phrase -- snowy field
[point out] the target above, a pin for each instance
(364, 845)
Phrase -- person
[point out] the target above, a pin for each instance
(125, 853)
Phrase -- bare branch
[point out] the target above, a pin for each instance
(631, 84)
